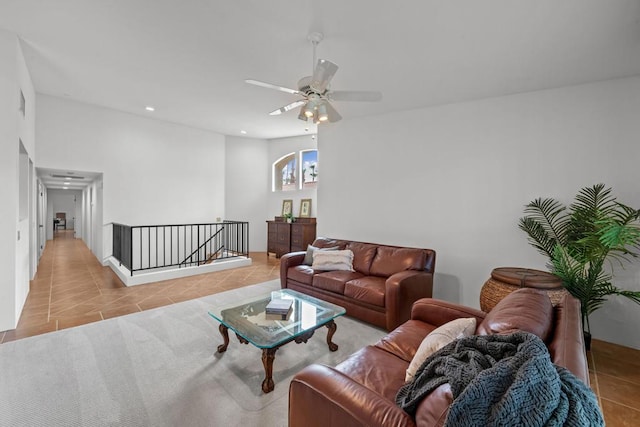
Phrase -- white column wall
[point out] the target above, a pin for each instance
(246, 192)
(14, 251)
(154, 172)
(455, 178)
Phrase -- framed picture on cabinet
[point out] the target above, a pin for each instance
(287, 207)
(305, 208)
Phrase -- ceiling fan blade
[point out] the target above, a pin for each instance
(355, 95)
(322, 75)
(333, 115)
(270, 86)
(287, 107)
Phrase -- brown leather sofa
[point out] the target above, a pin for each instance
(361, 390)
(386, 282)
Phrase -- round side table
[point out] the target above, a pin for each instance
(505, 280)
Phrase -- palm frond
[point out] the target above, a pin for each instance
(550, 215)
(537, 236)
(594, 201)
(621, 229)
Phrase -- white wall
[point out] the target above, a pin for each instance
(154, 172)
(66, 201)
(277, 149)
(248, 191)
(14, 252)
(246, 186)
(456, 178)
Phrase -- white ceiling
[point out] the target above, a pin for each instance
(64, 179)
(189, 58)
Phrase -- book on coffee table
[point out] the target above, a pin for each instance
(273, 316)
(278, 306)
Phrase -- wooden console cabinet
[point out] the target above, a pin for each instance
(284, 237)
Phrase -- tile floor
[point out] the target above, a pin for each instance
(72, 288)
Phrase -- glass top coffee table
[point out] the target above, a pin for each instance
(252, 325)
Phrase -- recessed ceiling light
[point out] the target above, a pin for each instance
(67, 183)
(149, 108)
(65, 188)
(244, 132)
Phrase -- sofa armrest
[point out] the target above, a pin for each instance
(567, 343)
(401, 291)
(321, 396)
(289, 260)
(438, 312)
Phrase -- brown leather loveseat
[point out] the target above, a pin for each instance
(386, 280)
(361, 390)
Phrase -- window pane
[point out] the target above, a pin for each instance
(309, 168)
(284, 173)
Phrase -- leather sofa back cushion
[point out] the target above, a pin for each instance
(325, 242)
(363, 254)
(390, 260)
(526, 310)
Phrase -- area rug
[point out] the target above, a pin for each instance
(158, 368)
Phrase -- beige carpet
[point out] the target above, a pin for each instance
(158, 368)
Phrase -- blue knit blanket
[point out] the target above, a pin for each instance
(503, 380)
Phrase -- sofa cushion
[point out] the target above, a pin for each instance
(308, 257)
(324, 242)
(437, 339)
(405, 339)
(301, 273)
(332, 260)
(375, 369)
(526, 309)
(334, 281)
(363, 254)
(390, 260)
(369, 289)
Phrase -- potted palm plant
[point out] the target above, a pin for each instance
(584, 243)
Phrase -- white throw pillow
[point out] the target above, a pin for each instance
(333, 260)
(308, 258)
(437, 339)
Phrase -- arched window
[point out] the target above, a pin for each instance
(285, 173)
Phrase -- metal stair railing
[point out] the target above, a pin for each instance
(149, 247)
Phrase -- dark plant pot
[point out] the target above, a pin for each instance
(587, 340)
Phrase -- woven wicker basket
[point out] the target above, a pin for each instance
(505, 280)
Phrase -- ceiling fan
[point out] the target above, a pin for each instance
(315, 92)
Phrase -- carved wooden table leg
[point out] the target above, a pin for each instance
(332, 330)
(268, 354)
(242, 340)
(224, 331)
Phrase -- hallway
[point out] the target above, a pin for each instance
(72, 288)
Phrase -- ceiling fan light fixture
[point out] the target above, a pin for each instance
(308, 112)
(322, 113)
